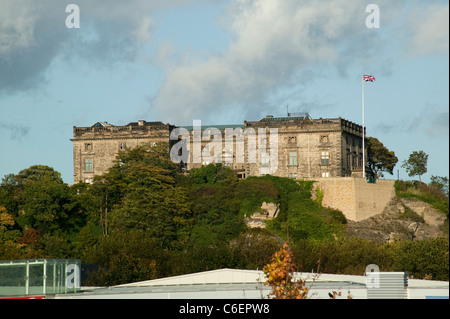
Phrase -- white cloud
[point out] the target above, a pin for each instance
(429, 28)
(276, 44)
(16, 30)
(33, 33)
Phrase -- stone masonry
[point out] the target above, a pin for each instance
(307, 148)
(356, 198)
(95, 148)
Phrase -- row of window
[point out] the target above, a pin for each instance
(294, 175)
(325, 139)
(291, 140)
(90, 146)
(324, 159)
(322, 139)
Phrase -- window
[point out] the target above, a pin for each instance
(293, 158)
(227, 159)
(293, 175)
(325, 174)
(122, 146)
(325, 158)
(292, 140)
(324, 139)
(348, 159)
(89, 165)
(265, 159)
(88, 146)
(354, 160)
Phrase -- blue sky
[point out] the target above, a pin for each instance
(221, 62)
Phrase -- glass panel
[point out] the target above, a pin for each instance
(39, 277)
(88, 165)
(292, 158)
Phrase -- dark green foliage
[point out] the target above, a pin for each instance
(212, 174)
(252, 192)
(303, 218)
(124, 257)
(380, 159)
(423, 259)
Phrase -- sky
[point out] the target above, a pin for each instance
(221, 62)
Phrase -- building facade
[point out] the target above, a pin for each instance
(299, 146)
(96, 147)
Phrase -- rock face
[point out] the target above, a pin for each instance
(401, 219)
(268, 211)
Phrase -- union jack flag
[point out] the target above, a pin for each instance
(368, 78)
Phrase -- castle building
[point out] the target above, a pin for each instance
(301, 147)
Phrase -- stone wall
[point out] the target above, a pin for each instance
(101, 145)
(356, 198)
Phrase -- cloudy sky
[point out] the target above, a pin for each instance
(221, 62)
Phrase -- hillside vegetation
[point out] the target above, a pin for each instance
(144, 220)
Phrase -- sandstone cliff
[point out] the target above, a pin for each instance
(404, 218)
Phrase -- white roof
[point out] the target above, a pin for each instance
(249, 284)
(218, 276)
(238, 276)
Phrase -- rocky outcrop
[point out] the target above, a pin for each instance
(401, 219)
(258, 219)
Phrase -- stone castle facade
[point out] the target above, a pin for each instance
(306, 147)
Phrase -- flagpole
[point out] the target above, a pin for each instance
(363, 148)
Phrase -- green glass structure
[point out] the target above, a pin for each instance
(33, 277)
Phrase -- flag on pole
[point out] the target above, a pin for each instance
(368, 78)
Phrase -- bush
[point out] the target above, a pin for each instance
(423, 259)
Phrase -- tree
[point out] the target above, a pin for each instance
(212, 173)
(416, 163)
(380, 159)
(48, 206)
(38, 198)
(41, 173)
(441, 183)
(279, 273)
(140, 193)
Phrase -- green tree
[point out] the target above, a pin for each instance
(440, 183)
(125, 257)
(416, 164)
(38, 198)
(48, 207)
(212, 173)
(10, 193)
(380, 159)
(40, 173)
(423, 259)
(139, 193)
